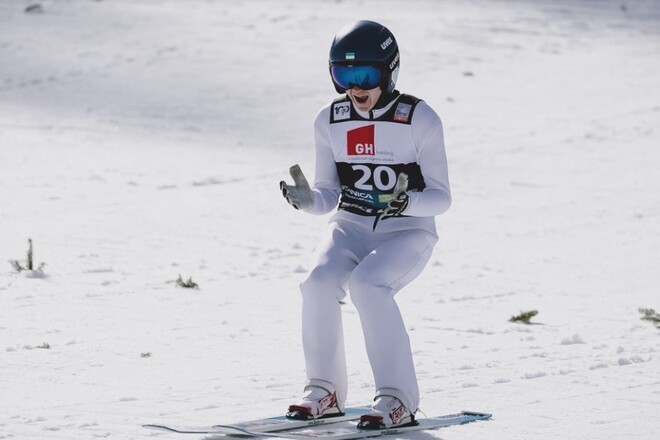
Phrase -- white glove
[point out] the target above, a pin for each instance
(399, 201)
(298, 195)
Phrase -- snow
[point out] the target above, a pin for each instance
(141, 140)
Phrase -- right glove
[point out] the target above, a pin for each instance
(299, 195)
(399, 202)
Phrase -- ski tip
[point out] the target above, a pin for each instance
(178, 430)
(158, 427)
(480, 415)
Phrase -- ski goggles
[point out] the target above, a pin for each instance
(364, 76)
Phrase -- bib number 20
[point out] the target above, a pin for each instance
(382, 177)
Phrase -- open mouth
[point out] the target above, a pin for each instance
(361, 99)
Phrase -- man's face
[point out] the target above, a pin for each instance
(364, 100)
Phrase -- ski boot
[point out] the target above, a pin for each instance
(318, 401)
(388, 411)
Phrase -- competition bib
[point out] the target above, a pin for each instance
(370, 155)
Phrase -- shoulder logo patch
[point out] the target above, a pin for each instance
(341, 111)
(402, 112)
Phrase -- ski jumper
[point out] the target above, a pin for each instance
(358, 158)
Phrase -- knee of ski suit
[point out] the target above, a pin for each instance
(365, 291)
(322, 280)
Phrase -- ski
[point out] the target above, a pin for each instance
(349, 431)
(261, 426)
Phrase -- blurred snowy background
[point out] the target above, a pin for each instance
(143, 140)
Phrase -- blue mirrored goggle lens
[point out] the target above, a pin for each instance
(364, 77)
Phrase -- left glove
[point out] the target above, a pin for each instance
(399, 202)
(299, 195)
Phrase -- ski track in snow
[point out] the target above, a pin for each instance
(142, 141)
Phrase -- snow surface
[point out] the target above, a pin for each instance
(143, 140)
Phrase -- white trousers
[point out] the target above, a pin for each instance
(374, 267)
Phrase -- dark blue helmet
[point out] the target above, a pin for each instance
(364, 43)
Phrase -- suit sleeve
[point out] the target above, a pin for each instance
(326, 188)
(428, 137)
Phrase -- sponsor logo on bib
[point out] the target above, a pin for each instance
(360, 141)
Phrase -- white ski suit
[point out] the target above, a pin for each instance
(358, 158)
